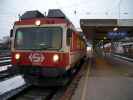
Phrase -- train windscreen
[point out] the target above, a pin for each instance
(38, 38)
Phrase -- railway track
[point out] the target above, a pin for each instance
(36, 93)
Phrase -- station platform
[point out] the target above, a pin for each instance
(109, 78)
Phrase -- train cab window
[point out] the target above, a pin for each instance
(69, 36)
(38, 38)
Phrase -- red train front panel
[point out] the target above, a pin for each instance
(41, 59)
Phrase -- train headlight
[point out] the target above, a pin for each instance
(17, 56)
(55, 58)
(37, 22)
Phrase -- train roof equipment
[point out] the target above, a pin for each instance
(52, 13)
(56, 13)
(31, 14)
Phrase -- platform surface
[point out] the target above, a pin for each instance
(109, 79)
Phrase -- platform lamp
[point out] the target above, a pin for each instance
(115, 29)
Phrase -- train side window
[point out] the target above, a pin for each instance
(69, 36)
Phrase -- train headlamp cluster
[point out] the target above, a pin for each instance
(55, 58)
(17, 56)
(37, 22)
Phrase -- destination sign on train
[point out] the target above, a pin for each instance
(117, 34)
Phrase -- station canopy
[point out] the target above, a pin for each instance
(97, 29)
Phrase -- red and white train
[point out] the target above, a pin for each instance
(46, 45)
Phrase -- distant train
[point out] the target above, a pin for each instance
(122, 48)
(128, 49)
(107, 48)
(47, 46)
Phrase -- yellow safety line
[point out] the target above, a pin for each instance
(85, 84)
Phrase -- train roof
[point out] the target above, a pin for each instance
(54, 16)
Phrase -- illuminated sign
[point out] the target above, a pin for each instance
(116, 35)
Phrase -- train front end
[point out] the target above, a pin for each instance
(38, 47)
